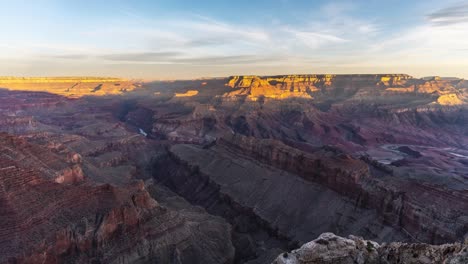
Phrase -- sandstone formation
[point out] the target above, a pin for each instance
(50, 80)
(449, 99)
(299, 86)
(310, 86)
(189, 93)
(69, 86)
(329, 248)
(276, 88)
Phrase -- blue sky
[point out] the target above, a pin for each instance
(162, 39)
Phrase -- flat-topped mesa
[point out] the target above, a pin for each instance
(450, 91)
(255, 87)
(248, 81)
(302, 86)
(69, 86)
(59, 79)
(327, 79)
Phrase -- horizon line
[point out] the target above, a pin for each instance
(213, 77)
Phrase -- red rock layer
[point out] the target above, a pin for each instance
(45, 220)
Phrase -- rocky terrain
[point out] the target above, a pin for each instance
(70, 86)
(54, 215)
(234, 170)
(329, 248)
(74, 197)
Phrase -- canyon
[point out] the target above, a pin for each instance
(244, 169)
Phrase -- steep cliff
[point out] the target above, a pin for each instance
(272, 195)
(69, 86)
(50, 80)
(399, 201)
(256, 88)
(300, 86)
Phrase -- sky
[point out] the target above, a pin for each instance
(175, 39)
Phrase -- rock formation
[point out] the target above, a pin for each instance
(50, 80)
(256, 88)
(311, 86)
(398, 203)
(449, 99)
(329, 248)
(69, 86)
(189, 93)
(71, 220)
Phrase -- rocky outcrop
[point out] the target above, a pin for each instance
(74, 174)
(329, 248)
(449, 99)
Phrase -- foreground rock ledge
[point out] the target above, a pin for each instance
(329, 248)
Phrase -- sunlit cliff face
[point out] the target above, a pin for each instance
(189, 93)
(70, 86)
(450, 92)
(449, 99)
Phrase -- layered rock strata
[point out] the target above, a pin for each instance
(70, 86)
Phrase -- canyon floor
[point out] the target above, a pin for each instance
(245, 169)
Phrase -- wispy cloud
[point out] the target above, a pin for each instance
(67, 56)
(451, 15)
(141, 56)
(174, 57)
(202, 40)
(334, 35)
(218, 28)
(230, 60)
(315, 40)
